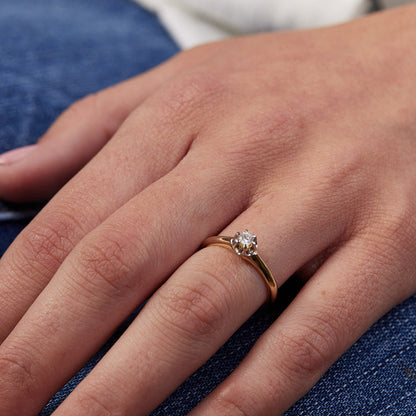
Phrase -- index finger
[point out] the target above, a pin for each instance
(120, 171)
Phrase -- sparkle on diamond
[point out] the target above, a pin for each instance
(244, 244)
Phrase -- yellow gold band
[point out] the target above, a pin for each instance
(254, 259)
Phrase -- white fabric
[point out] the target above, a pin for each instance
(192, 22)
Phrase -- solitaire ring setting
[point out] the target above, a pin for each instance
(244, 244)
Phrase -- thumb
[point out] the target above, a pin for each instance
(36, 172)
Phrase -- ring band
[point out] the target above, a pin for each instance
(245, 245)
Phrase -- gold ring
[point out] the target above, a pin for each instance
(245, 245)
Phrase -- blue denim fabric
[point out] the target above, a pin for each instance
(53, 52)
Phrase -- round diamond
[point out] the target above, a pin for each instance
(244, 244)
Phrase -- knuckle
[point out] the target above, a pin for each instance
(104, 264)
(278, 128)
(391, 233)
(346, 167)
(271, 137)
(188, 92)
(342, 179)
(92, 403)
(16, 370)
(195, 312)
(44, 245)
(400, 226)
(388, 249)
(310, 347)
(230, 405)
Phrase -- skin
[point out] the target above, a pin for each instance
(306, 138)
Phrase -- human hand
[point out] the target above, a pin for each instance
(305, 138)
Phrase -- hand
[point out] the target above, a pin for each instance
(306, 138)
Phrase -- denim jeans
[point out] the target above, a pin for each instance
(53, 52)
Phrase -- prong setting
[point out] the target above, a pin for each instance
(244, 244)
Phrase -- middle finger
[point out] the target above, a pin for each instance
(122, 169)
(111, 271)
(191, 316)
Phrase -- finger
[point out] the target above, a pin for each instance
(345, 297)
(188, 319)
(150, 143)
(111, 271)
(37, 172)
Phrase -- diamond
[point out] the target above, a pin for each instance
(244, 244)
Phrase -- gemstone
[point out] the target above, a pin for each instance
(244, 244)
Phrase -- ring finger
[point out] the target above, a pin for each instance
(190, 317)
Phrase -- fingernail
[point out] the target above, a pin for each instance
(17, 154)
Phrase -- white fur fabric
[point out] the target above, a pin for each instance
(192, 22)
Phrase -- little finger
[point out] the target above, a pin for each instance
(337, 305)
